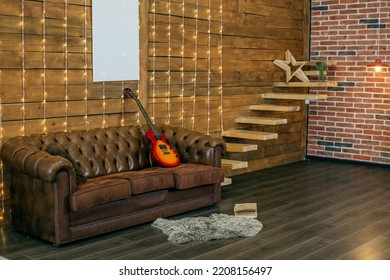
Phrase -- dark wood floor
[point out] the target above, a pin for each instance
(317, 209)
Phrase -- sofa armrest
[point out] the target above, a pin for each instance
(195, 147)
(33, 161)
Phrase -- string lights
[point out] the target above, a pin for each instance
(138, 115)
(104, 105)
(66, 65)
(44, 65)
(182, 61)
(139, 52)
(195, 82)
(186, 36)
(220, 67)
(123, 106)
(2, 195)
(85, 66)
(208, 66)
(169, 64)
(153, 78)
(23, 130)
(195, 64)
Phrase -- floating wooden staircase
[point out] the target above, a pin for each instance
(276, 104)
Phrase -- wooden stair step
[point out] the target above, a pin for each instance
(248, 134)
(233, 164)
(294, 96)
(305, 84)
(277, 108)
(261, 120)
(226, 182)
(240, 148)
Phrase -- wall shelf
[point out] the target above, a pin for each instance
(305, 84)
(294, 96)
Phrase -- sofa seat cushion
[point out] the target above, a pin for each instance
(98, 191)
(192, 175)
(148, 179)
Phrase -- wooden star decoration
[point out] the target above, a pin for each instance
(285, 65)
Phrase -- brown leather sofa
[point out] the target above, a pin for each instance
(122, 187)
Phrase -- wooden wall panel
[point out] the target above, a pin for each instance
(196, 78)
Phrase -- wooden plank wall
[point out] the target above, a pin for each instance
(187, 68)
(195, 76)
(255, 33)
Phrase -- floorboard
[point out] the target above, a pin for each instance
(317, 209)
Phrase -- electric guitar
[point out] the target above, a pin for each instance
(162, 153)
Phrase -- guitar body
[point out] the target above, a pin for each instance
(161, 152)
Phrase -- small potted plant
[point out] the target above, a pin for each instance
(321, 68)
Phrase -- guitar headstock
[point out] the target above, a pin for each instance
(127, 92)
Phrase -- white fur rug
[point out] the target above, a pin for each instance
(216, 226)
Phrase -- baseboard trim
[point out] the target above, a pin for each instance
(365, 163)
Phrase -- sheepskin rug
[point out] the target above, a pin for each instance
(216, 226)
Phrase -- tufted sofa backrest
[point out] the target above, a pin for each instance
(102, 151)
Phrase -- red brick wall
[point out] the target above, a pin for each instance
(354, 122)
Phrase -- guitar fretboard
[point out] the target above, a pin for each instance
(143, 111)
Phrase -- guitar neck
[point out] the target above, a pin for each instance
(148, 120)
